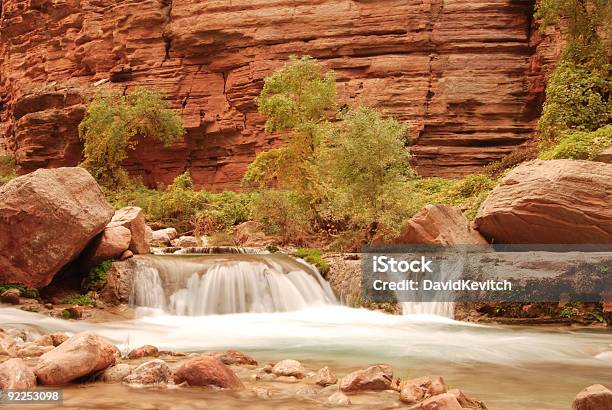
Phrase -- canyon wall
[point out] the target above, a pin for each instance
(467, 75)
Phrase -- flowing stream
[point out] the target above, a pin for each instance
(275, 307)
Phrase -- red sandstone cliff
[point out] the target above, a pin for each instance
(465, 74)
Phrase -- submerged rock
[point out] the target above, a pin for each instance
(595, 397)
(289, 367)
(81, 355)
(550, 202)
(15, 374)
(48, 218)
(325, 377)
(338, 399)
(144, 351)
(378, 377)
(234, 357)
(132, 218)
(8, 347)
(115, 374)
(207, 371)
(444, 401)
(153, 372)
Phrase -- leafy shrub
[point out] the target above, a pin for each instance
(8, 168)
(81, 300)
(283, 213)
(577, 97)
(313, 256)
(26, 292)
(364, 166)
(111, 122)
(580, 145)
(96, 278)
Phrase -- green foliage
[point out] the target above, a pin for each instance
(283, 213)
(26, 292)
(578, 91)
(364, 168)
(8, 168)
(295, 100)
(111, 122)
(577, 98)
(466, 193)
(181, 206)
(580, 145)
(313, 256)
(587, 20)
(96, 278)
(81, 300)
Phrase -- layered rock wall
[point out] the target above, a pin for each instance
(466, 75)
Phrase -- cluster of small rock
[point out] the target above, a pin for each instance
(56, 359)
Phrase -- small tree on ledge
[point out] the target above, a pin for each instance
(112, 121)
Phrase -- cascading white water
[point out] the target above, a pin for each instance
(223, 284)
(442, 303)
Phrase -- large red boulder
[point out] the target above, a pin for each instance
(81, 355)
(550, 202)
(439, 225)
(207, 371)
(133, 218)
(47, 218)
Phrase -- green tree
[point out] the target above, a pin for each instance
(364, 169)
(578, 91)
(113, 120)
(8, 168)
(295, 100)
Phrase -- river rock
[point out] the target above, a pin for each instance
(15, 374)
(207, 371)
(325, 377)
(133, 218)
(144, 351)
(8, 347)
(605, 156)
(437, 386)
(115, 374)
(48, 218)
(185, 242)
(51, 339)
(11, 296)
(467, 402)
(439, 225)
(289, 367)
(33, 350)
(119, 281)
(81, 355)
(413, 391)
(234, 357)
(378, 377)
(153, 372)
(163, 236)
(250, 233)
(338, 399)
(595, 397)
(559, 201)
(444, 401)
(111, 244)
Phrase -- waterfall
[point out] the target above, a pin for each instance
(201, 285)
(440, 303)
